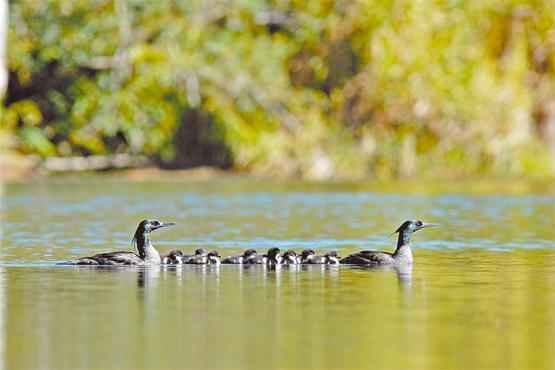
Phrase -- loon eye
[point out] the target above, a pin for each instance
(418, 223)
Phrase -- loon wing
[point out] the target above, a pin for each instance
(368, 258)
(111, 259)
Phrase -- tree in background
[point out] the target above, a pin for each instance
(313, 89)
(3, 42)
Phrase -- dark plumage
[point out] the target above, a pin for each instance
(273, 257)
(331, 258)
(199, 258)
(174, 257)
(259, 259)
(402, 254)
(213, 258)
(246, 257)
(110, 259)
(309, 257)
(147, 254)
(203, 258)
(290, 258)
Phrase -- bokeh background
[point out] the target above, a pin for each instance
(311, 89)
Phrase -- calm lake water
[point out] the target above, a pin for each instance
(481, 294)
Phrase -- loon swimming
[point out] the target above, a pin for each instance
(290, 257)
(271, 258)
(401, 255)
(214, 258)
(309, 257)
(174, 257)
(199, 256)
(147, 254)
(247, 257)
(203, 258)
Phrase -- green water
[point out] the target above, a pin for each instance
(481, 294)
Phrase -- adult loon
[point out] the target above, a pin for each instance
(402, 254)
(309, 257)
(147, 254)
(246, 257)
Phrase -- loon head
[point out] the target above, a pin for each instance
(307, 255)
(201, 252)
(273, 256)
(273, 252)
(141, 238)
(146, 226)
(412, 226)
(249, 254)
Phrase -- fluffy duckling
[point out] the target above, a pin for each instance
(290, 257)
(199, 258)
(213, 258)
(246, 257)
(174, 257)
(309, 257)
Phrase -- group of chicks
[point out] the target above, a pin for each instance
(271, 258)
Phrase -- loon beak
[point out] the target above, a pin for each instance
(165, 224)
(426, 224)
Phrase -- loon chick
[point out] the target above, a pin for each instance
(246, 257)
(199, 258)
(290, 258)
(174, 257)
(259, 259)
(147, 254)
(402, 254)
(213, 258)
(273, 257)
(308, 256)
(332, 258)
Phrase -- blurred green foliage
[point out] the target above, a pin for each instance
(303, 88)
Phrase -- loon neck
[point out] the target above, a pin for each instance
(403, 250)
(146, 250)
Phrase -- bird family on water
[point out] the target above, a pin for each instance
(148, 255)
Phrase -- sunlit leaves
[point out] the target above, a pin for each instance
(291, 86)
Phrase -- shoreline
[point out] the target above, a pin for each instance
(17, 169)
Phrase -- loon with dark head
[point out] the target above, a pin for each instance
(147, 254)
(401, 255)
(246, 257)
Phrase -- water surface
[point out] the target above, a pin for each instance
(481, 293)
